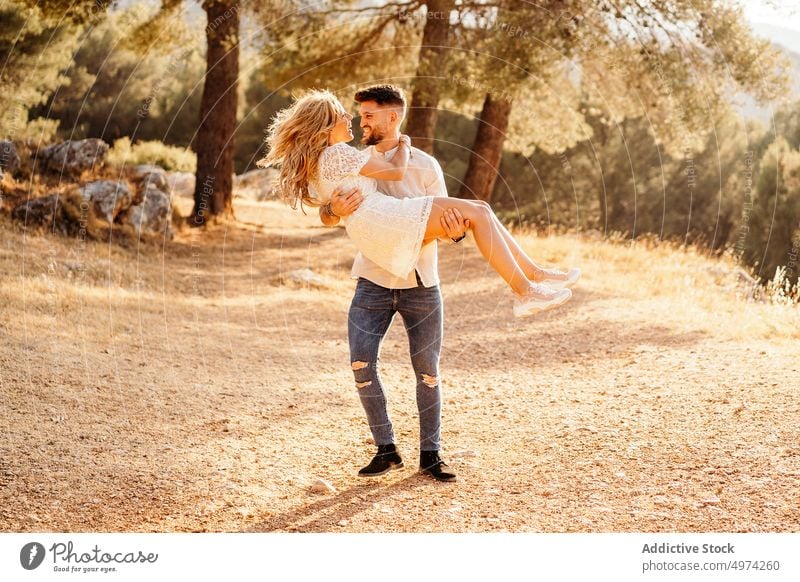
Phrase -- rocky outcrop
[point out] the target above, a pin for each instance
(171, 183)
(255, 185)
(141, 202)
(150, 175)
(109, 198)
(37, 211)
(180, 184)
(73, 157)
(153, 215)
(68, 213)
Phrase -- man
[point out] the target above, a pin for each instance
(380, 295)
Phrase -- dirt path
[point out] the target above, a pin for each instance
(188, 389)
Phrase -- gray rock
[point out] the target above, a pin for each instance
(142, 170)
(153, 215)
(151, 175)
(305, 278)
(9, 159)
(255, 185)
(323, 486)
(180, 184)
(109, 198)
(38, 211)
(74, 156)
(67, 213)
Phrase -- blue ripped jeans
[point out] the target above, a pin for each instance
(371, 313)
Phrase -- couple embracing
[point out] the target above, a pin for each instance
(392, 199)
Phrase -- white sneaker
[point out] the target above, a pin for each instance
(559, 279)
(540, 298)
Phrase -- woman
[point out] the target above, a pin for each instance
(309, 142)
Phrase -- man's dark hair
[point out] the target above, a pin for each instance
(382, 95)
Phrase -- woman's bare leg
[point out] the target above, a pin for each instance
(533, 271)
(488, 236)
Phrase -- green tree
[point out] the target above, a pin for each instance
(341, 46)
(427, 89)
(36, 44)
(673, 62)
(214, 139)
(771, 223)
(116, 90)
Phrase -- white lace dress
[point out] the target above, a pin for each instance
(387, 230)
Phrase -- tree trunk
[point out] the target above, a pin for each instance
(487, 151)
(422, 114)
(213, 194)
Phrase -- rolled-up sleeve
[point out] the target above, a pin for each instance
(436, 187)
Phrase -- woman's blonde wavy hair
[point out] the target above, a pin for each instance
(295, 140)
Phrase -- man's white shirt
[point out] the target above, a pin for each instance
(424, 177)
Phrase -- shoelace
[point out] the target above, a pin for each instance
(543, 290)
(437, 462)
(554, 272)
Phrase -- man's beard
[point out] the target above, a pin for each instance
(374, 138)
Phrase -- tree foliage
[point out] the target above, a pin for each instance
(602, 115)
(36, 46)
(117, 90)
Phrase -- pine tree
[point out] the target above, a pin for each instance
(672, 61)
(37, 41)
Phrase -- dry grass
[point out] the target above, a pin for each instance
(183, 385)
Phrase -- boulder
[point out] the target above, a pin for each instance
(109, 198)
(153, 215)
(68, 213)
(142, 170)
(37, 211)
(255, 185)
(151, 175)
(74, 156)
(9, 159)
(180, 184)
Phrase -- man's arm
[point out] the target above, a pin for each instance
(452, 221)
(342, 203)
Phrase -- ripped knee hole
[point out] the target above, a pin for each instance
(430, 381)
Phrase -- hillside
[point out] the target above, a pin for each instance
(187, 387)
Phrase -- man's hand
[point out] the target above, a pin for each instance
(345, 202)
(454, 224)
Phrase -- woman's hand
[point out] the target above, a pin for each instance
(393, 170)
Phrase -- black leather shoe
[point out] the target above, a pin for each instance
(431, 464)
(386, 460)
